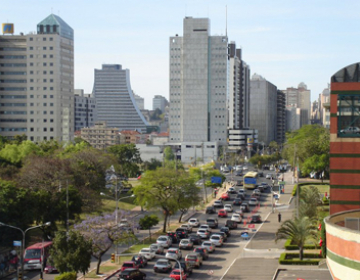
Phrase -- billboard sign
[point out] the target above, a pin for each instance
(216, 180)
(8, 28)
(249, 180)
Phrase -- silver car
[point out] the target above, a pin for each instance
(209, 246)
(163, 265)
(217, 240)
(174, 254)
(147, 253)
(157, 248)
(164, 241)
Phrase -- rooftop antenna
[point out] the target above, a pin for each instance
(226, 20)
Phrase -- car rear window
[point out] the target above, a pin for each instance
(162, 263)
(215, 237)
(162, 238)
(192, 257)
(172, 251)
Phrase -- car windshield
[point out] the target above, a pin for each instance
(153, 247)
(236, 216)
(162, 263)
(202, 231)
(127, 265)
(171, 251)
(162, 238)
(192, 221)
(198, 250)
(176, 272)
(215, 237)
(184, 241)
(32, 253)
(207, 244)
(145, 250)
(191, 257)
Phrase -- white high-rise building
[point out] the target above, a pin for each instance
(37, 82)
(159, 102)
(198, 84)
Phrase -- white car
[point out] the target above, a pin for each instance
(207, 227)
(203, 233)
(173, 254)
(147, 253)
(164, 241)
(188, 227)
(217, 240)
(236, 217)
(268, 176)
(209, 246)
(253, 201)
(228, 208)
(194, 222)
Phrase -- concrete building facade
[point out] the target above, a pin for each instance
(280, 117)
(293, 119)
(37, 82)
(159, 102)
(198, 84)
(139, 101)
(100, 136)
(115, 101)
(85, 110)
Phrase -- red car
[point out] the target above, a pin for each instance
(175, 274)
(129, 264)
(222, 213)
(225, 196)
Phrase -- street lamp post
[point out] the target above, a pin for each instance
(23, 241)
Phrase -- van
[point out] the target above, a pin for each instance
(231, 224)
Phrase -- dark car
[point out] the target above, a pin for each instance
(239, 183)
(175, 236)
(240, 196)
(203, 252)
(256, 218)
(237, 201)
(196, 239)
(261, 174)
(210, 210)
(133, 274)
(238, 173)
(245, 207)
(139, 261)
(186, 267)
(223, 234)
(212, 222)
(182, 232)
(231, 224)
(226, 230)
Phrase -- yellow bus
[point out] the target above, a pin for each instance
(250, 180)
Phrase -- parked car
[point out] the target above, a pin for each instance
(226, 230)
(202, 251)
(157, 248)
(237, 201)
(194, 260)
(350, 130)
(217, 240)
(231, 224)
(183, 233)
(236, 218)
(222, 213)
(147, 253)
(194, 222)
(186, 244)
(129, 265)
(162, 265)
(211, 209)
(231, 190)
(209, 246)
(174, 254)
(187, 268)
(212, 222)
(225, 196)
(174, 236)
(244, 207)
(256, 218)
(203, 233)
(132, 274)
(228, 208)
(218, 203)
(164, 240)
(140, 260)
(253, 201)
(195, 238)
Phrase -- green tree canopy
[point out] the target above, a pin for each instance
(16, 153)
(128, 157)
(148, 221)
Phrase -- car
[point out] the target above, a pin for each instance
(265, 185)
(206, 226)
(253, 201)
(256, 195)
(242, 191)
(236, 218)
(225, 196)
(240, 212)
(231, 190)
(182, 232)
(195, 239)
(164, 241)
(186, 244)
(217, 240)
(222, 213)
(228, 207)
(173, 254)
(261, 174)
(128, 265)
(241, 196)
(223, 234)
(202, 251)
(238, 173)
(218, 203)
(256, 218)
(178, 274)
(209, 246)
(132, 274)
(162, 265)
(194, 222)
(237, 201)
(140, 260)
(188, 227)
(49, 268)
(203, 233)
(231, 224)
(269, 176)
(211, 209)
(174, 236)
(194, 260)
(159, 250)
(245, 207)
(226, 230)
(147, 253)
(187, 268)
(261, 188)
(350, 130)
(212, 222)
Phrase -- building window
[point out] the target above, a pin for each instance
(45, 120)
(348, 115)
(44, 56)
(51, 48)
(44, 39)
(51, 129)
(45, 129)
(44, 48)
(51, 38)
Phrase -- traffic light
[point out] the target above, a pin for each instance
(112, 257)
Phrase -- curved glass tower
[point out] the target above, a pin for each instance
(115, 101)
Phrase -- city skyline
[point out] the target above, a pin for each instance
(286, 43)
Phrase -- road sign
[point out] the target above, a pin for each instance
(216, 180)
(16, 243)
(251, 226)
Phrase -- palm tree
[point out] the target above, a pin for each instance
(310, 200)
(298, 230)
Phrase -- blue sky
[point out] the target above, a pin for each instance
(287, 42)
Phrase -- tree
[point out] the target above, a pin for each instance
(309, 201)
(169, 154)
(207, 171)
(71, 252)
(148, 221)
(128, 157)
(103, 233)
(16, 153)
(152, 164)
(299, 230)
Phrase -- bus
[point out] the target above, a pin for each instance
(36, 255)
(250, 180)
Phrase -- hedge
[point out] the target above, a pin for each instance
(293, 193)
(66, 276)
(314, 259)
(289, 246)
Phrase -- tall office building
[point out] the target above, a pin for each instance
(159, 102)
(239, 89)
(263, 108)
(198, 84)
(85, 110)
(280, 118)
(37, 82)
(139, 101)
(115, 101)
